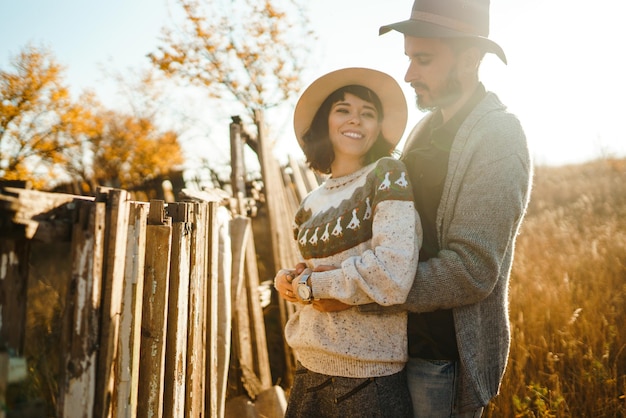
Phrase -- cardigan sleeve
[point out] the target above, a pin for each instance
(480, 220)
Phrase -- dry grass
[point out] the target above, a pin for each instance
(568, 298)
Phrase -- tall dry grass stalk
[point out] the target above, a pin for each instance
(568, 297)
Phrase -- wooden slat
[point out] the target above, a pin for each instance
(196, 355)
(257, 329)
(4, 380)
(26, 207)
(299, 183)
(242, 363)
(280, 218)
(115, 254)
(130, 319)
(155, 308)
(219, 311)
(14, 254)
(81, 319)
(176, 349)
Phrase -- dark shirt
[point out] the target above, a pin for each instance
(431, 334)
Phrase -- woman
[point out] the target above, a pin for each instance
(359, 235)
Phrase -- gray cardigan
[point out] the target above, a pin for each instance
(484, 199)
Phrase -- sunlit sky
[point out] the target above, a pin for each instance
(565, 78)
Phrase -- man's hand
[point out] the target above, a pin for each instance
(330, 305)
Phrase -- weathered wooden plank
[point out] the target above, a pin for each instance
(130, 319)
(176, 349)
(14, 254)
(4, 380)
(243, 365)
(81, 319)
(280, 217)
(117, 203)
(299, 183)
(29, 208)
(155, 308)
(217, 344)
(257, 329)
(196, 354)
(238, 169)
(272, 184)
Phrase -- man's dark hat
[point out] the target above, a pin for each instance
(449, 19)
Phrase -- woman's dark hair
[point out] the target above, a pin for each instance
(316, 141)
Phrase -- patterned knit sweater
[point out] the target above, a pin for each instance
(366, 225)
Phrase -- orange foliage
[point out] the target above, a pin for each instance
(46, 138)
(131, 150)
(41, 129)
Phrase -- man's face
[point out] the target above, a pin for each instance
(432, 72)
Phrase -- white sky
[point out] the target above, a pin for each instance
(565, 79)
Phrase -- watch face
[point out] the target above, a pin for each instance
(304, 292)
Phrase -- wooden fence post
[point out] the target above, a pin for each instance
(280, 218)
(196, 355)
(237, 164)
(176, 349)
(155, 308)
(218, 339)
(81, 318)
(131, 311)
(4, 380)
(13, 284)
(257, 330)
(250, 364)
(241, 374)
(115, 255)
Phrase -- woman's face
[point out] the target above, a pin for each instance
(353, 126)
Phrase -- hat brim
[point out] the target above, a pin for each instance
(391, 96)
(420, 29)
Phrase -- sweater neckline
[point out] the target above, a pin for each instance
(335, 183)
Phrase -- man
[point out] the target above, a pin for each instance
(469, 165)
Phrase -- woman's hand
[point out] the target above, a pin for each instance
(286, 285)
(282, 284)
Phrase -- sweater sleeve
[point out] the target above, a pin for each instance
(384, 272)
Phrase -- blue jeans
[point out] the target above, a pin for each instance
(432, 384)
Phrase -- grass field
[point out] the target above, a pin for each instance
(568, 297)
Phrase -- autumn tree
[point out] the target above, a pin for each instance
(47, 138)
(131, 150)
(248, 50)
(41, 130)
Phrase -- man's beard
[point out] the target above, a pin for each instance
(449, 93)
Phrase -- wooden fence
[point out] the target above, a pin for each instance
(130, 306)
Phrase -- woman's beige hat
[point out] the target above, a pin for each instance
(386, 88)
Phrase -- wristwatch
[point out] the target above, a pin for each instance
(304, 289)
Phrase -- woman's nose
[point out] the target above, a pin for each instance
(355, 118)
